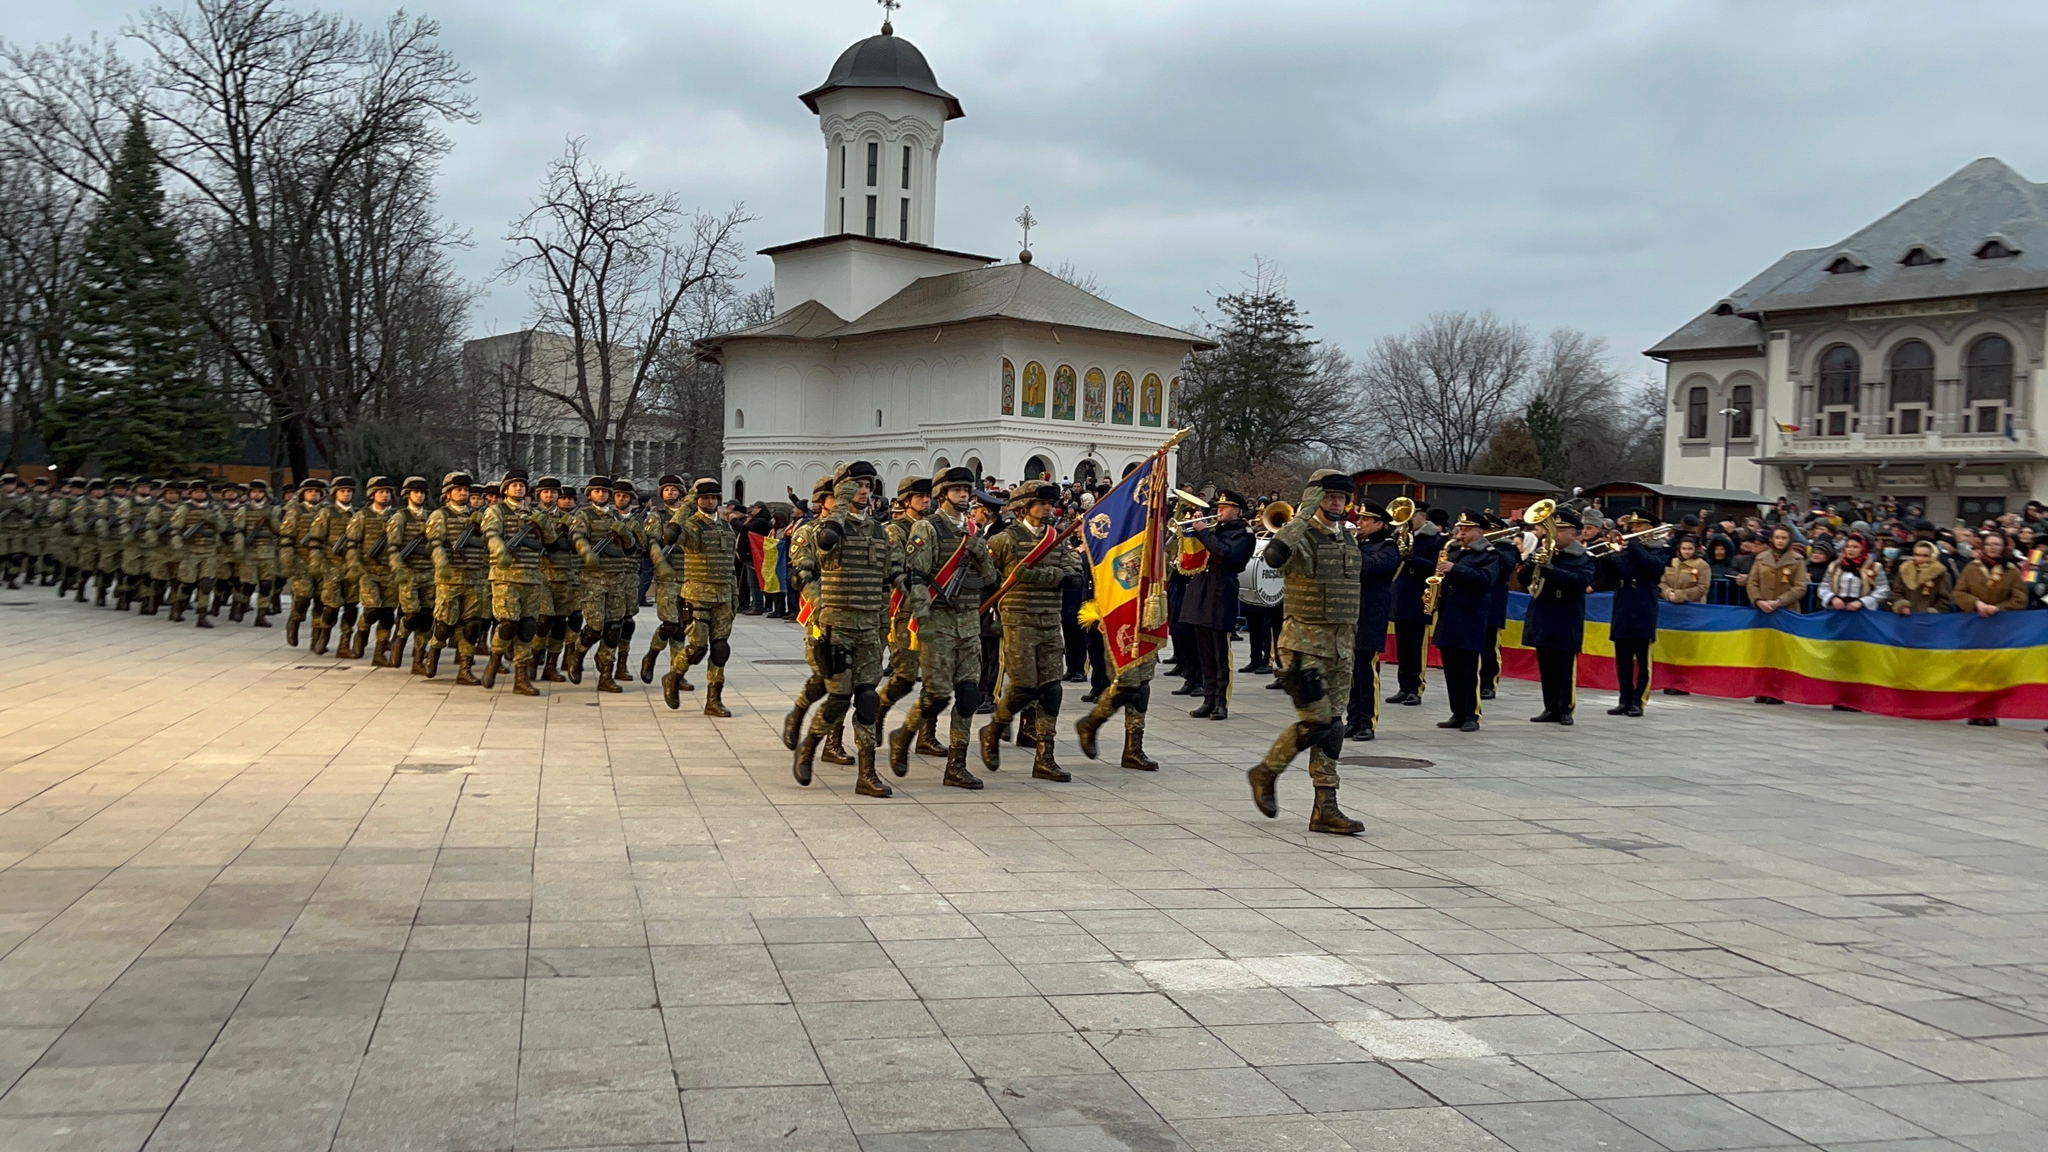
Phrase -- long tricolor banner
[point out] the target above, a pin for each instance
(1950, 666)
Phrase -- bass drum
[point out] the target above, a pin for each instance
(1260, 585)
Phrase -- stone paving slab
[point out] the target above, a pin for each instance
(251, 898)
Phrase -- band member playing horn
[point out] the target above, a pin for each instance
(1209, 606)
(1461, 594)
(1379, 558)
(1320, 559)
(1421, 539)
(1636, 572)
(1557, 575)
(1506, 542)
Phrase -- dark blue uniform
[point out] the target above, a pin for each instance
(1209, 608)
(1379, 561)
(1636, 574)
(1464, 625)
(1556, 627)
(1489, 659)
(1411, 624)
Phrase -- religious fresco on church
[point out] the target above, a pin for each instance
(1093, 387)
(1121, 405)
(1034, 389)
(1009, 388)
(1063, 393)
(1148, 401)
(1173, 403)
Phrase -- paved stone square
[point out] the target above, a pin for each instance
(250, 899)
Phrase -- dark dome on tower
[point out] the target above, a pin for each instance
(884, 61)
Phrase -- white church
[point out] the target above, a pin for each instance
(886, 347)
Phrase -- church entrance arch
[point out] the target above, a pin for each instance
(739, 491)
(1086, 472)
(973, 465)
(1038, 468)
(1131, 467)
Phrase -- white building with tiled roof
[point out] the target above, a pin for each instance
(887, 348)
(1906, 360)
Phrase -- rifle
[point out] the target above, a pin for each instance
(405, 553)
(468, 531)
(525, 531)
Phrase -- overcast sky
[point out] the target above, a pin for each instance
(1615, 167)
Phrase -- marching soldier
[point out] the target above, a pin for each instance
(227, 496)
(913, 504)
(81, 531)
(257, 526)
(369, 542)
(803, 570)
(517, 533)
(196, 531)
(1033, 646)
(1468, 570)
(162, 559)
(856, 570)
(667, 589)
(1637, 574)
(42, 565)
(1411, 623)
(327, 541)
(1321, 564)
(1556, 624)
(1379, 563)
(14, 518)
(134, 543)
(412, 572)
(707, 600)
(948, 554)
(58, 544)
(598, 535)
(459, 560)
(563, 571)
(296, 556)
(623, 574)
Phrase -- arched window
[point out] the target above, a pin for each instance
(1841, 370)
(739, 491)
(1094, 389)
(939, 465)
(1122, 399)
(1009, 388)
(1742, 422)
(1987, 383)
(1911, 376)
(739, 418)
(973, 465)
(878, 417)
(1696, 413)
(1038, 468)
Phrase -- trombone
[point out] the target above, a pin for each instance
(1655, 535)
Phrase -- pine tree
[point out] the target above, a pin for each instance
(1548, 432)
(133, 397)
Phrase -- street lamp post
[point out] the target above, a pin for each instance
(1727, 438)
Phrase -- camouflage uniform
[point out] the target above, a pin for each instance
(340, 597)
(296, 554)
(14, 519)
(665, 550)
(1322, 567)
(623, 571)
(857, 567)
(369, 550)
(948, 616)
(563, 571)
(1033, 647)
(160, 558)
(258, 526)
(803, 576)
(60, 553)
(459, 558)
(81, 529)
(35, 539)
(904, 667)
(607, 544)
(517, 533)
(135, 544)
(412, 573)
(706, 599)
(196, 533)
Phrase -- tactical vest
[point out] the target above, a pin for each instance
(559, 564)
(946, 538)
(259, 527)
(853, 578)
(1322, 579)
(507, 521)
(467, 553)
(709, 565)
(412, 533)
(1028, 601)
(200, 521)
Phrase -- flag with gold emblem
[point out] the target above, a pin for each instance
(1129, 555)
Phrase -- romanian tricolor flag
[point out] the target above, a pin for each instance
(767, 560)
(1787, 429)
(1127, 548)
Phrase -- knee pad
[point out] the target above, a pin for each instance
(1049, 698)
(589, 637)
(611, 633)
(528, 629)
(443, 632)
(329, 615)
(1305, 685)
(206, 585)
(967, 696)
(576, 620)
(558, 628)
(867, 705)
(721, 651)
(626, 628)
(473, 630)
(932, 705)
(420, 621)
(1333, 739)
(663, 633)
(1140, 698)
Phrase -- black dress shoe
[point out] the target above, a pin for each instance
(1548, 717)
(1364, 734)
(1846, 708)
(1220, 712)
(1189, 687)
(1565, 718)
(1252, 668)
(1618, 710)
(1486, 693)
(1091, 696)
(1202, 711)
(1396, 698)
(1983, 722)
(1077, 677)
(1768, 700)
(1469, 726)
(1453, 722)
(1278, 685)
(1634, 710)
(1676, 692)
(1412, 699)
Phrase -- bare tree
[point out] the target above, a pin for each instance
(1086, 281)
(1436, 395)
(610, 268)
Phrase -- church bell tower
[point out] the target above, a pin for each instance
(883, 116)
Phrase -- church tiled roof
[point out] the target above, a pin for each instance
(1007, 292)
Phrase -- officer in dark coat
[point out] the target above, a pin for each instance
(1380, 561)
(1470, 569)
(1209, 607)
(1556, 625)
(1636, 574)
(1411, 624)
(1510, 552)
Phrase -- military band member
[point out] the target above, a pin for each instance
(1556, 624)
(1379, 560)
(1510, 551)
(1469, 570)
(1411, 623)
(563, 570)
(913, 504)
(1320, 561)
(1033, 645)
(803, 570)
(947, 554)
(412, 571)
(667, 587)
(707, 599)
(459, 556)
(517, 533)
(369, 546)
(857, 568)
(1636, 572)
(295, 555)
(327, 541)
(1209, 605)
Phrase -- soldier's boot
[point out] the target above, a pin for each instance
(793, 727)
(237, 611)
(548, 671)
(1027, 728)
(992, 745)
(292, 622)
(957, 775)
(99, 599)
(835, 747)
(362, 644)
(1043, 767)
(647, 663)
(382, 658)
(1327, 817)
(572, 660)
(1086, 728)
(318, 645)
(432, 667)
(1264, 798)
(714, 699)
(867, 783)
(522, 683)
(606, 682)
(178, 608)
(1134, 744)
(928, 738)
(492, 669)
(262, 615)
(806, 757)
(899, 751)
(204, 611)
(82, 578)
(465, 670)
(621, 658)
(670, 694)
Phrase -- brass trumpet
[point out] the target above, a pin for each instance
(1273, 517)
(1541, 516)
(1401, 514)
(1655, 535)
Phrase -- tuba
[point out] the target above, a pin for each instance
(1401, 514)
(1275, 516)
(1541, 516)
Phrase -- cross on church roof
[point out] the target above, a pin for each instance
(1026, 220)
(889, 8)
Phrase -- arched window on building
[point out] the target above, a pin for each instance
(1742, 422)
(1987, 384)
(1038, 468)
(1841, 371)
(1696, 412)
(739, 418)
(1910, 380)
